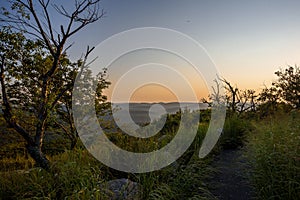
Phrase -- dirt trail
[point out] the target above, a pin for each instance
(232, 179)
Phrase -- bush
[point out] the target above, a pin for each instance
(234, 130)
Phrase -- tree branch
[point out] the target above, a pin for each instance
(41, 29)
(47, 17)
(7, 110)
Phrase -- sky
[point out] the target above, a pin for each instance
(246, 40)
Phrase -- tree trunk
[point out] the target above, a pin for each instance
(73, 143)
(40, 159)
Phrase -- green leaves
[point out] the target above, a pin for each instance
(286, 88)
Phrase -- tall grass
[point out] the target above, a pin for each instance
(184, 179)
(77, 175)
(274, 149)
(234, 131)
(73, 175)
(188, 184)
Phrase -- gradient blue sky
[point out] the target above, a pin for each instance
(247, 40)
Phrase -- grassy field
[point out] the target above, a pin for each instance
(272, 145)
(75, 174)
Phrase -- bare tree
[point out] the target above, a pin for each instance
(23, 16)
(239, 100)
(232, 97)
(247, 99)
(216, 96)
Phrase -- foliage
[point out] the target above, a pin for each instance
(183, 179)
(25, 63)
(36, 70)
(186, 184)
(288, 85)
(234, 132)
(274, 151)
(285, 90)
(75, 175)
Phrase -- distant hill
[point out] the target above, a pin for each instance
(142, 113)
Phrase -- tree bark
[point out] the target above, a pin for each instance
(36, 153)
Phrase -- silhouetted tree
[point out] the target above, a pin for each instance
(239, 101)
(232, 95)
(247, 100)
(288, 85)
(284, 92)
(216, 96)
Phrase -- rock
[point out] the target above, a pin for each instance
(123, 189)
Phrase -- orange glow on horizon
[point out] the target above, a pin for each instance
(153, 93)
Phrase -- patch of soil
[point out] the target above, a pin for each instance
(231, 180)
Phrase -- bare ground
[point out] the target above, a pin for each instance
(231, 181)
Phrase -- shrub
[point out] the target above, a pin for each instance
(234, 130)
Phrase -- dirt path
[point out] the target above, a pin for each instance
(232, 179)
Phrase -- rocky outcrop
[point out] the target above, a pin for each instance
(123, 189)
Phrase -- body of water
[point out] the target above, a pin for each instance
(142, 113)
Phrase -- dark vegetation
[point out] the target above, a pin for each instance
(41, 156)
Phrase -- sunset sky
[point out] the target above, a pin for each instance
(247, 40)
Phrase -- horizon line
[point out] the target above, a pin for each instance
(164, 102)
